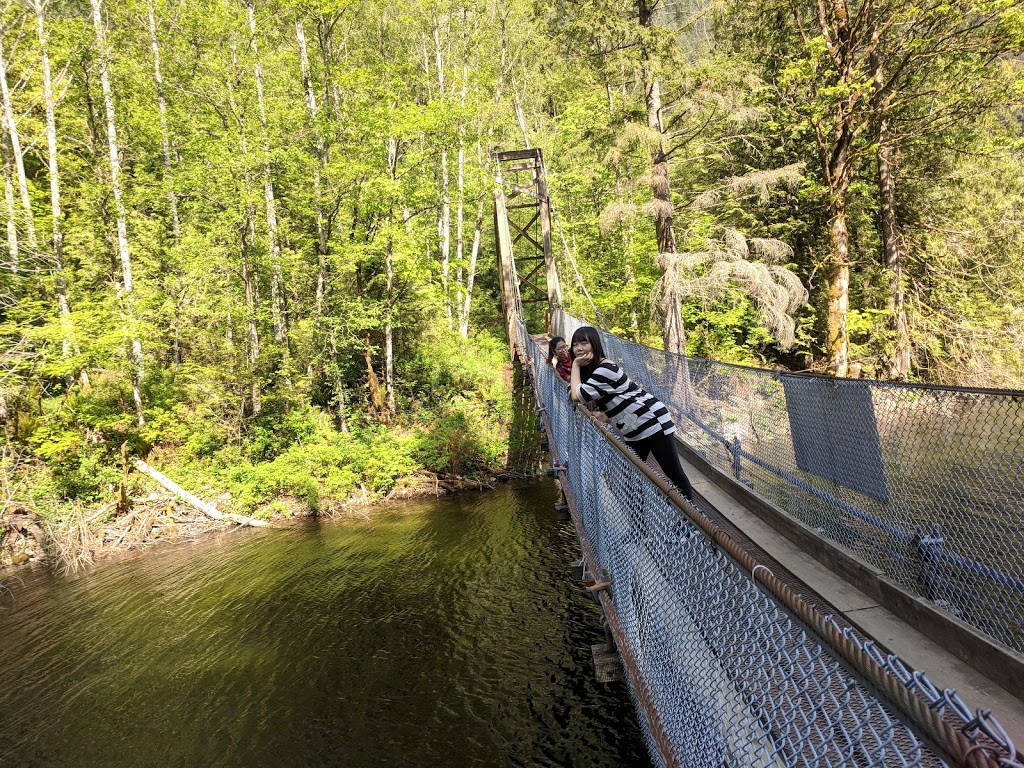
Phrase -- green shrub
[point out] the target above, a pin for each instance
(329, 467)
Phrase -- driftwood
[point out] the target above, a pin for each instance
(207, 509)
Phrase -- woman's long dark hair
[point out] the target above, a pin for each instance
(588, 333)
(551, 347)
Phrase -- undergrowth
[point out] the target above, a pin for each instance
(453, 418)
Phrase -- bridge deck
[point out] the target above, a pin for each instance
(831, 594)
(861, 610)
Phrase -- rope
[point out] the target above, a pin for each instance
(572, 262)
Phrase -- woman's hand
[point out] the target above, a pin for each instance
(583, 360)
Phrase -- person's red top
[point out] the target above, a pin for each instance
(563, 369)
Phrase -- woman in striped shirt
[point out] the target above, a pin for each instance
(644, 420)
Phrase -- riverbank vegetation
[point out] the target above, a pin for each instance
(250, 239)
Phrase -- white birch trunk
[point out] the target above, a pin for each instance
(165, 139)
(459, 216)
(389, 350)
(461, 185)
(471, 270)
(444, 226)
(16, 153)
(318, 164)
(63, 306)
(12, 226)
(276, 279)
(389, 295)
(127, 288)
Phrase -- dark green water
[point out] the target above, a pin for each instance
(446, 633)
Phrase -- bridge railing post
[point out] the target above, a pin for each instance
(929, 555)
(736, 449)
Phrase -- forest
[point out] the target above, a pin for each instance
(250, 241)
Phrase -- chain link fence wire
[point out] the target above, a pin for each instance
(926, 483)
(723, 672)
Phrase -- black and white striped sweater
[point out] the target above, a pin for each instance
(637, 413)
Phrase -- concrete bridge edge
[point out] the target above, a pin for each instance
(999, 663)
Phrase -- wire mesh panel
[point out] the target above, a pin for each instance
(729, 674)
(835, 435)
(925, 483)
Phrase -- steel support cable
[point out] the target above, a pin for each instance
(981, 445)
(637, 681)
(947, 737)
(925, 713)
(951, 740)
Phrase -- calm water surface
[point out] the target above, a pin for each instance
(446, 633)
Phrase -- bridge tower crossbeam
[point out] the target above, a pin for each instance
(522, 222)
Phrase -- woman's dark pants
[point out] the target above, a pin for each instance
(663, 448)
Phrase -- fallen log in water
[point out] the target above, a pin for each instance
(207, 509)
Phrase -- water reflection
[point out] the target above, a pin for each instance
(443, 633)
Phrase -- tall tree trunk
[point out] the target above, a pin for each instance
(673, 329)
(378, 405)
(320, 153)
(474, 252)
(389, 349)
(851, 42)
(444, 222)
(339, 386)
(276, 280)
(16, 153)
(127, 293)
(373, 383)
(12, 226)
(63, 306)
(834, 150)
(471, 270)
(899, 365)
(389, 290)
(460, 213)
(251, 283)
(165, 139)
(461, 177)
(837, 337)
(444, 236)
(247, 236)
(325, 35)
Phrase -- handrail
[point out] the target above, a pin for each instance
(959, 741)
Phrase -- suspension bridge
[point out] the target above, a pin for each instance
(845, 534)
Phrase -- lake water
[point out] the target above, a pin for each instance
(441, 633)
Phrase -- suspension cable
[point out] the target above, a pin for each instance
(572, 262)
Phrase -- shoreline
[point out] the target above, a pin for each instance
(98, 534)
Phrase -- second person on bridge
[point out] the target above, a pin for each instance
(644, 420)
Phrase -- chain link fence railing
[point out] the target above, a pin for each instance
(925, 483)
(727, 667)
